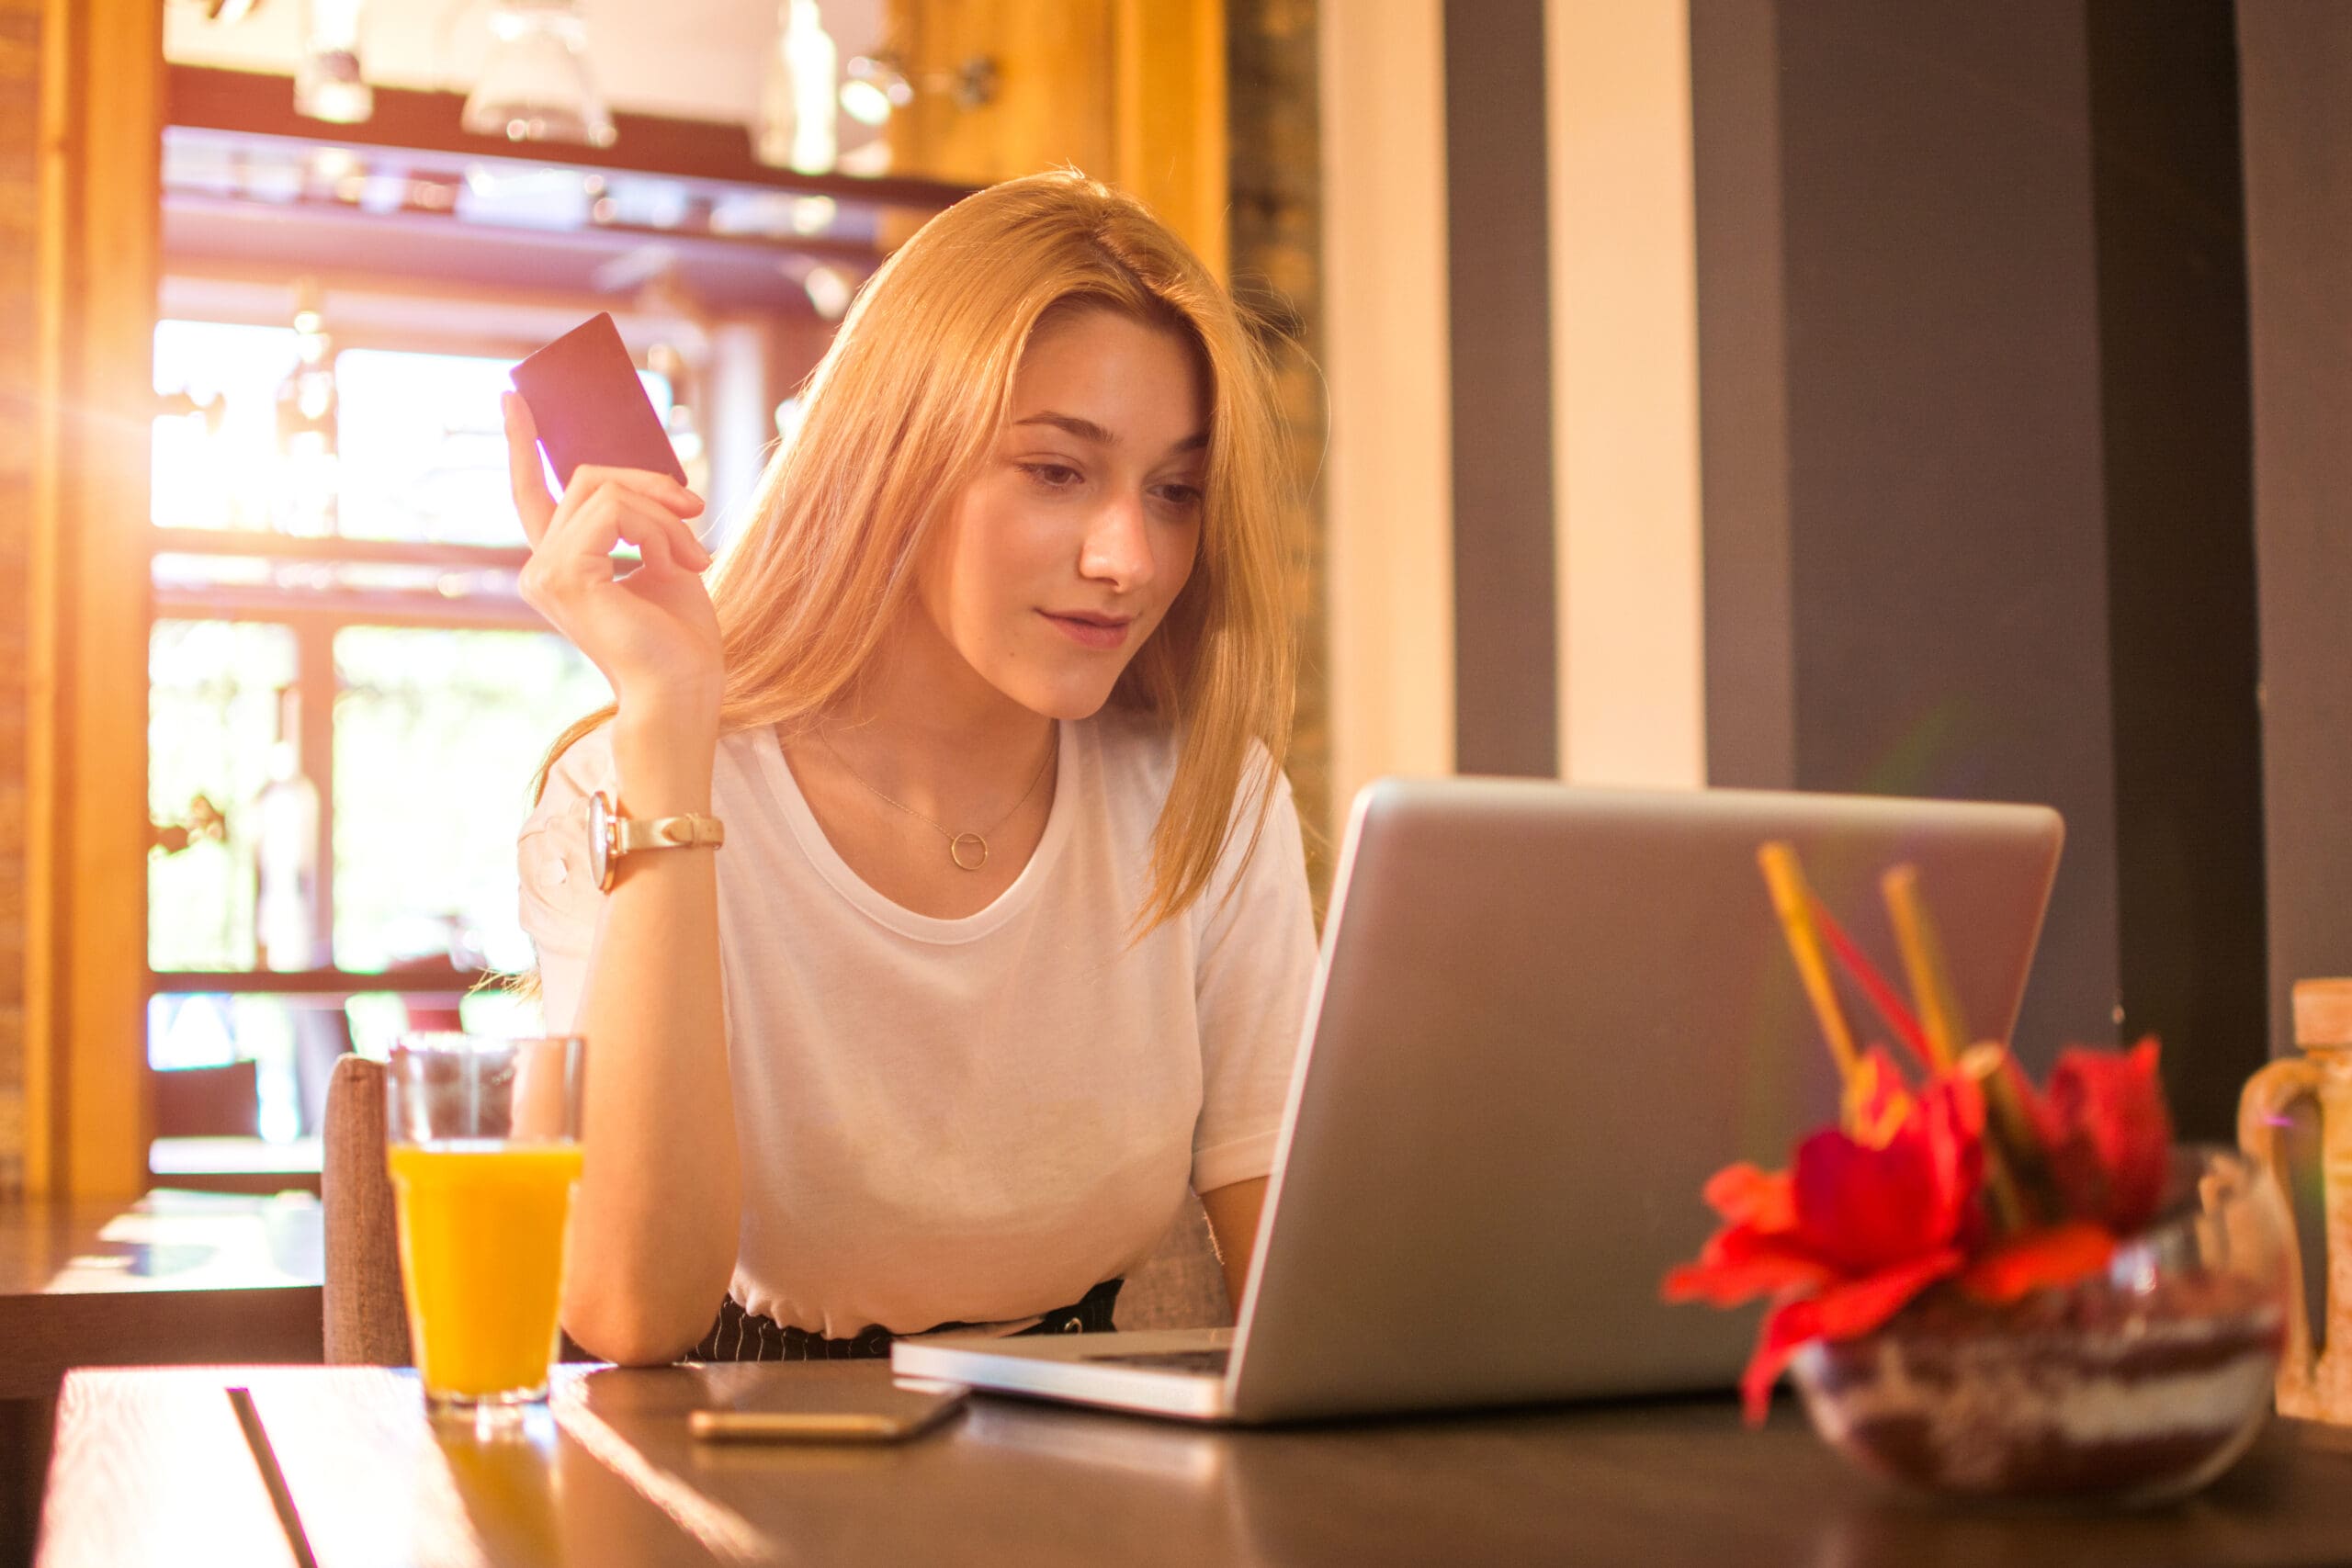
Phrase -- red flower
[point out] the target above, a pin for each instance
(1865, 1221)
(2055, 1255)
(1853, 1231)
(2103, 1121)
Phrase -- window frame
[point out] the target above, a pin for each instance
(315, 616)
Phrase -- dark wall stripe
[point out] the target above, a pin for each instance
(1743, 395)
(1926, 516)
(1992, 538)
(1506, 671)
(2169, 206)
(2297, 120)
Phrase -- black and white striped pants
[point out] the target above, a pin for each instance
(741, 1336)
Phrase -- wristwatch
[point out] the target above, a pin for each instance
(611, 836)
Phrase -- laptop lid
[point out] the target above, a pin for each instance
(1542, 1017)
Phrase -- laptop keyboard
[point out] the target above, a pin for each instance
(1209, 1361)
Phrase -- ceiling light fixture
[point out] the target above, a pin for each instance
(328, 84)
(875, 86)
(795, 129)
(536, 85)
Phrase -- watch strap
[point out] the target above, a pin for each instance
(631, 834)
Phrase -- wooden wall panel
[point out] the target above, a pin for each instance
(1129, 91)
(1170, 113)
(20, 53)
(85, 411)
(1053, 88)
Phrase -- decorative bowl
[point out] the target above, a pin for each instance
(2134, 1387)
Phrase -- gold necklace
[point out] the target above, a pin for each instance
(955, 841)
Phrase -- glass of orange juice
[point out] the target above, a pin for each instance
(484, 1151)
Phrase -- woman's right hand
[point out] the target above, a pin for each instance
(657, 1210)
(650, 630)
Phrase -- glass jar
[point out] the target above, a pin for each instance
(2134, 1387)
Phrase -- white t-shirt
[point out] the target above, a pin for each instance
(972, 1119)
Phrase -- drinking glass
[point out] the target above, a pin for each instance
(484, 1152)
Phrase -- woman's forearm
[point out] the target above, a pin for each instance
(654, 1234)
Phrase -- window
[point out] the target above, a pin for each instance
(347, 702)
(348, 698)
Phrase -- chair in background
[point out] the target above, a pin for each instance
(321, 1038)
(434, 1015)
(1182, 1285)
(366, 1317)
(209, 1102)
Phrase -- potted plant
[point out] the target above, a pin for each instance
(1986, 1287)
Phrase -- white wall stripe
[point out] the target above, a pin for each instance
(1390, 472)
(1625, 392)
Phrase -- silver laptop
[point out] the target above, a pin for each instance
(1543, 1016)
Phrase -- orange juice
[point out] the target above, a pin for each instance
(481, 1231)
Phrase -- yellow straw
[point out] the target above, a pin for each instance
(2015, 1174)
(1792, 901)
(1923, 964)
(2010, 1136)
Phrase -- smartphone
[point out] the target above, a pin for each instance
(801, 1410)
(590, 407)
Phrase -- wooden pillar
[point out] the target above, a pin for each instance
(21, 346)
(77, 419)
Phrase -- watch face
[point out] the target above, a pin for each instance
(600, 838)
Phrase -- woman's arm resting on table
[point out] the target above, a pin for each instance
(1233, 1225)
(655, 1221)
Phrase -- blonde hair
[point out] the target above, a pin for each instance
(898, 418)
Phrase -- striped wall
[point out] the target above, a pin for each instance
(1963, 286)
(1513, 475)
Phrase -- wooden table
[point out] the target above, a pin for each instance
(149, 1467)
(172, 1277)
(236, 1165)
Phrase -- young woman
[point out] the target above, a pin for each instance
(1008, 941)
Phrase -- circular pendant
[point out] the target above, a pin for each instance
(979, 853)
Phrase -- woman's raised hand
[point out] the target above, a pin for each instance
(650, 630)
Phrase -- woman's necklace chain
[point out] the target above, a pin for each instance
(958, 843)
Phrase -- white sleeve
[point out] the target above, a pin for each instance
(560, 903)
(1255, 969)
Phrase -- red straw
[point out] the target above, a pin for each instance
(1882, 996)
